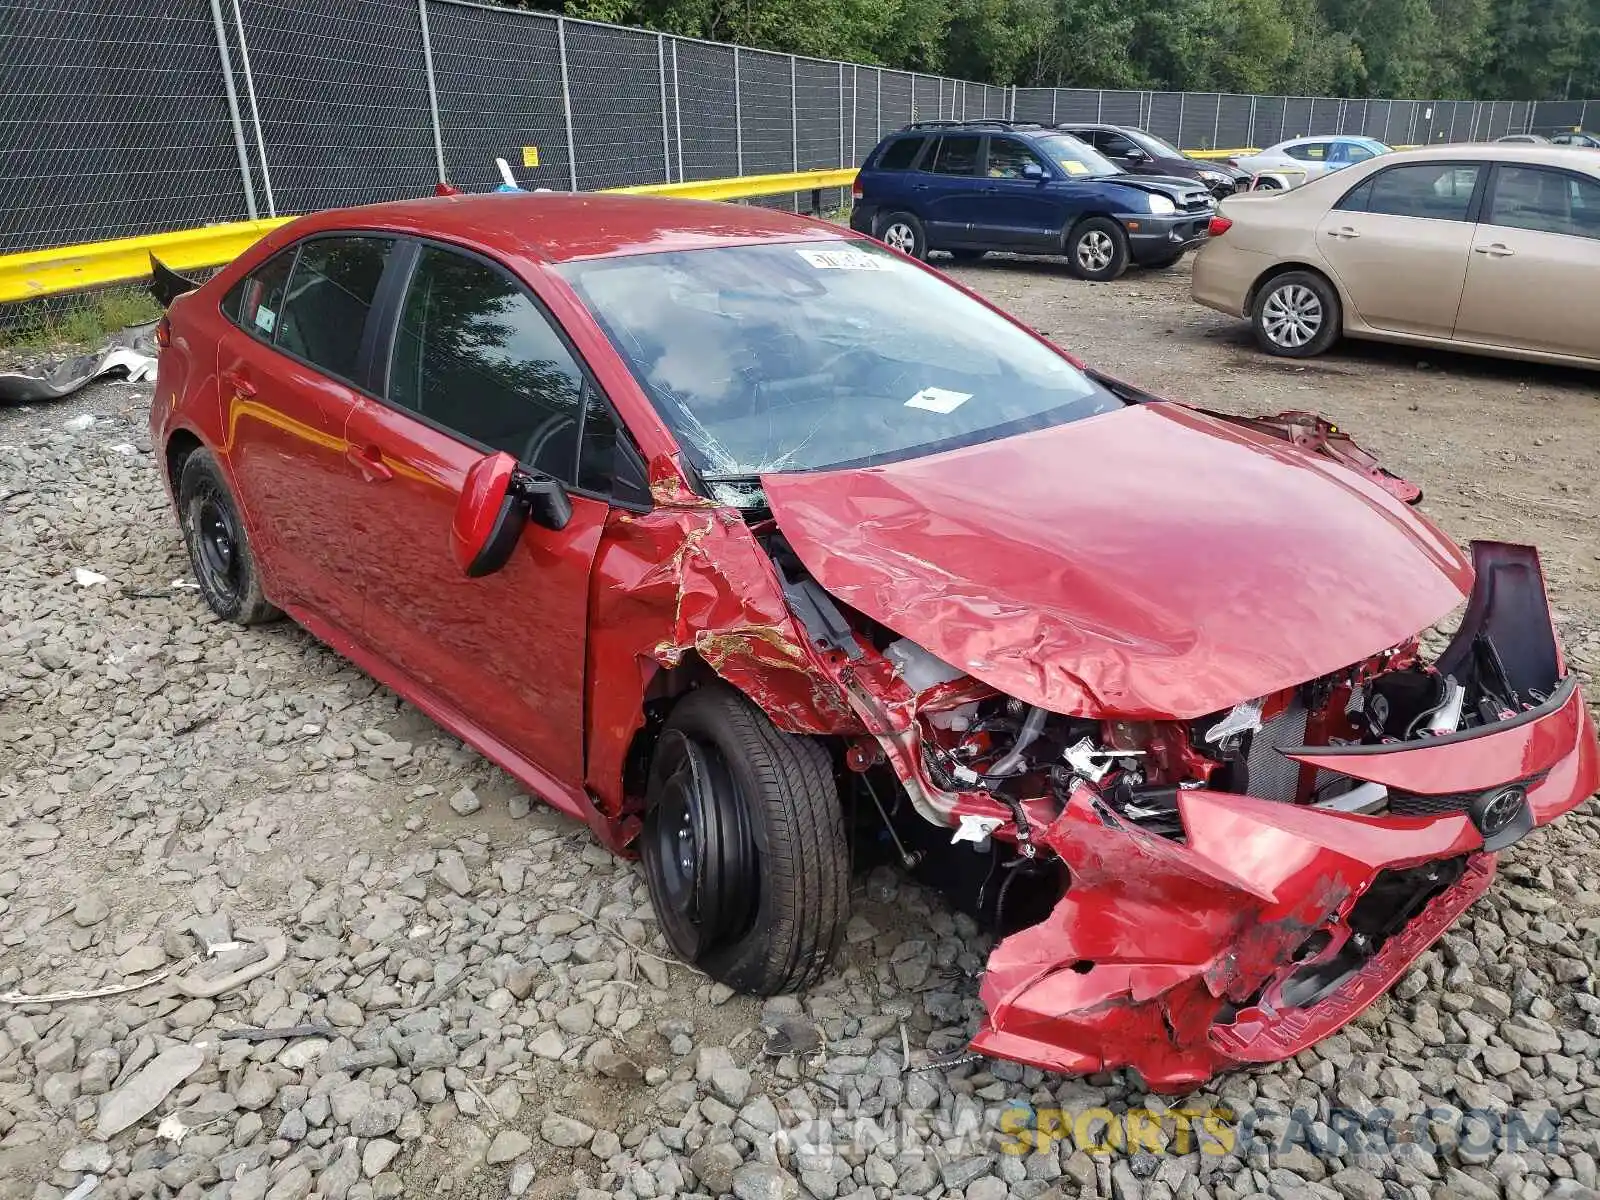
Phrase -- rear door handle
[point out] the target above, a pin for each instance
(1495, 250)
(369, 461)
(1343, 232)
(240, 385)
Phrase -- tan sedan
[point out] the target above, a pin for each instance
(1492, 249)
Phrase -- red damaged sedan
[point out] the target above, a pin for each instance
(713, 525)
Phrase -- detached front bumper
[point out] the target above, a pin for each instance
(1270, 925)
(1156, 239)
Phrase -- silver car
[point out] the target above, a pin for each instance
(1312, 156)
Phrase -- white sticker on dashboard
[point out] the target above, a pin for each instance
(265, 319)
(938, 400)
(844, 260)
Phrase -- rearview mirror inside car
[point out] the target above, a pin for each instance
(498, 499)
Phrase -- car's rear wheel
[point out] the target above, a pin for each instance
(1296, 315)
(967, 256)
(743, 845)
(1097, 248)
(903, 232)
(219, 549)
(1268, 184)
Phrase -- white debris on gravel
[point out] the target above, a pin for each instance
(476, 1000)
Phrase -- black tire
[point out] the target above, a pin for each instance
(219, 548)
(903, 232)
(967, 256)
(1161, 264)
(1268, 185)
(763, 905)
(1296, 315)
(1097, 249)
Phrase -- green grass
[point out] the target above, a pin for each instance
(80, 321)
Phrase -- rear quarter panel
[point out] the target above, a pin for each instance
(186, 394)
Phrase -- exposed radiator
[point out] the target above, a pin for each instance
(1271, 775)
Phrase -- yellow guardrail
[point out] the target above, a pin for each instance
(38, 273)
(747, 186)
(35, 273)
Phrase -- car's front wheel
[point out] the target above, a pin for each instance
(1097, 248)
(1296, 315)
(219, 549)
(743, 845)
(903, 232)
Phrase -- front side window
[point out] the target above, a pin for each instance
(957, 155)
(1437, 191)
(330, 294)
(1545, 201)
(803, 356)
(1114, 145)
(900, 154)
(476, 356)
(1008, 157)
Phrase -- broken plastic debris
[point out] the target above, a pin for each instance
(1244, 718)
(184, 583)
(172, 1129)
(84, 577)
(975, 828)
(78, 423)
(96, 993)
(86, 1185)
(123, 448)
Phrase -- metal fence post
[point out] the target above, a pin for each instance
(841, 115)
(1583, 112)
(666, 133)
(1177, 135)
(255, 109)
(233, 110)
(1100, 106)
(878, 123)
(566, 103)
(855, 79)
(738, 117)
(677, 108)
(1250, 133)
(1388, 111)
(794, 114)
(433, 92)
(1216, 126)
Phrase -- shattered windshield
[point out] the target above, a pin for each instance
(802, 356)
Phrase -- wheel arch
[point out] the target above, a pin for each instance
(1288, 267)
(181, 443)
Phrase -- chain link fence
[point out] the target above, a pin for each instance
(120, 117)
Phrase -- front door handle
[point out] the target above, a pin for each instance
(1343, 232)
(240, 385)
(1495, 250)
(369, 461)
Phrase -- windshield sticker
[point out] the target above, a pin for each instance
(844, 260)
(265, 319)
(938, 400)
(1073, 167)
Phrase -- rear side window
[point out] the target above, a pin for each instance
(256, 300)
(330, 295)
(898, 155)
(476, 356)
(1437, 191)
(957, 155)
(1545, 201)
(1308, 152)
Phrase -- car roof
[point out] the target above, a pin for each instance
(560, 227)
(1533, 153)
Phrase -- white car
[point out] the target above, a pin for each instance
(1311, 156)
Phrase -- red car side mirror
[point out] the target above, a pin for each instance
(497, 500)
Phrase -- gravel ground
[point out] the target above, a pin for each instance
(495, 1014)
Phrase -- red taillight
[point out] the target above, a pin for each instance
(163, 333)
(1219, 225)
(855, 188)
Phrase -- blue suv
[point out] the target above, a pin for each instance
(969, 187)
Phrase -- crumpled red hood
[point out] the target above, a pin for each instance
(1151, 562)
